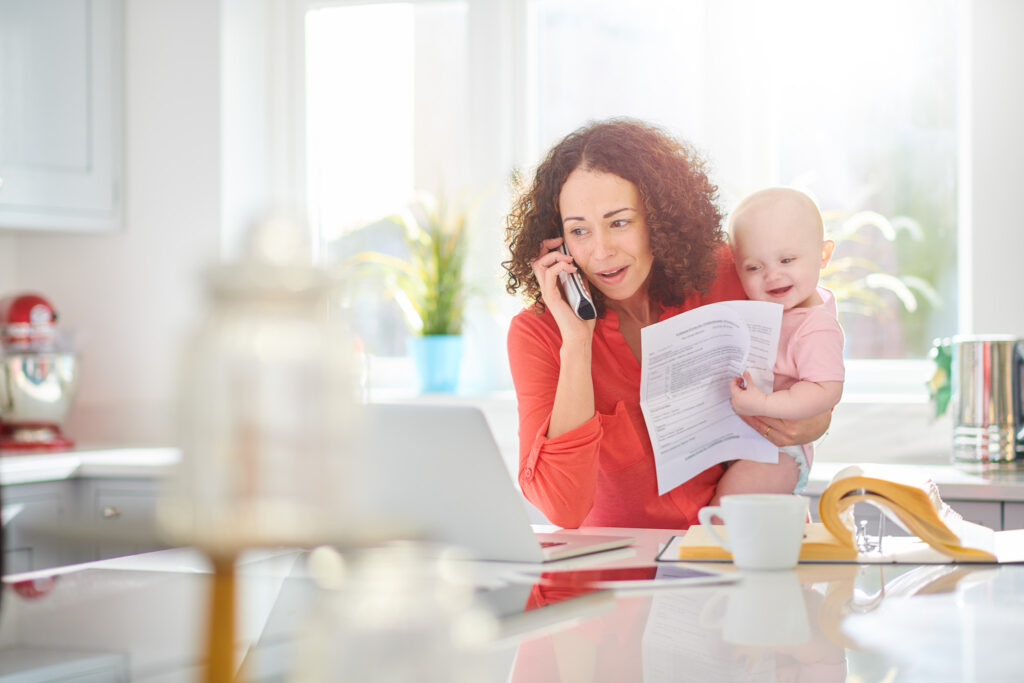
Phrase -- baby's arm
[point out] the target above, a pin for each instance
(803, 399)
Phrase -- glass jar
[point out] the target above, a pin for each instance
(269, 406)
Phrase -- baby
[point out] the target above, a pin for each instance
(778, 244)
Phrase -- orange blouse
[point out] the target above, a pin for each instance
(602, 472)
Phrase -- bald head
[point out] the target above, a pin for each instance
(773, 204)
(779, 246)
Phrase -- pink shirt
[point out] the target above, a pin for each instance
(602, 472)
(810, 345)
(810, 349)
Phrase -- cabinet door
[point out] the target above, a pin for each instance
(1013, 515)
(983, 512)
(60, 114)
(34, 513)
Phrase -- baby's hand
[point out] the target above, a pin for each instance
(746, 398)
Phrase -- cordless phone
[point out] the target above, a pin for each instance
(576, 292)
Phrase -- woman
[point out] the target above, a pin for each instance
(637, 213)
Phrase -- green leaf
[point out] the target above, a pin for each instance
(429, 286)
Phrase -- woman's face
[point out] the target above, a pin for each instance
(606, 232)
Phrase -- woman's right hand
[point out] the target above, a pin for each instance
(573, 402)
(546, 267)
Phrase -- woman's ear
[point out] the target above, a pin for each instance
(826, 252)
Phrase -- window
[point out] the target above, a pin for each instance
(359, 120)
(385, 115)
(854, 102)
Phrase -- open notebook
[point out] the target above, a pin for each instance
(437, 469)
(938, 535)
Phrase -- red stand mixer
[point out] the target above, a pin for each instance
(38, 379)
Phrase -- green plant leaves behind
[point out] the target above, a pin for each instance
(429, 286)
(859, 282)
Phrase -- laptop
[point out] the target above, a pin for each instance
(437, 469)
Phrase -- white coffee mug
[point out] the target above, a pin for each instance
(764, 530)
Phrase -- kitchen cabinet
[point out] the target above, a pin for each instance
(1013, 515)
(57, 523)
(61, 114)
(983, 512)
(27, 508)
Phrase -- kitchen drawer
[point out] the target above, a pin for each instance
(123, 513)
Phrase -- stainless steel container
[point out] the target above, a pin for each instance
(986, 400)
(37, 388)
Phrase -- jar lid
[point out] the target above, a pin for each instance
(276, 260)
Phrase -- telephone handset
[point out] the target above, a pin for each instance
(576, 292)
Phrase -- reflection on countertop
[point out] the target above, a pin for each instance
(141, 617)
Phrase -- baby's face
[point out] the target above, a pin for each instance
(779, 253)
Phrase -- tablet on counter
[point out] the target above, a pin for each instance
(619, 578)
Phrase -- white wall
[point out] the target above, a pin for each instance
(993, 173)
(131, 296)
(7, 275)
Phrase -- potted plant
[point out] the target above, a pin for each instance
(428, 285)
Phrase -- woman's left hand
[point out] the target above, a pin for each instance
(790, 432)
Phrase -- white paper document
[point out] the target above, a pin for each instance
(687, 364)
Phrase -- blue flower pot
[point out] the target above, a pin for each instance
(437, 359)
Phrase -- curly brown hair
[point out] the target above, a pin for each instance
(678, 198)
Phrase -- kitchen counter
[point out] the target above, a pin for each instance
(141, 618)
(148, 463)
(955, 483)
